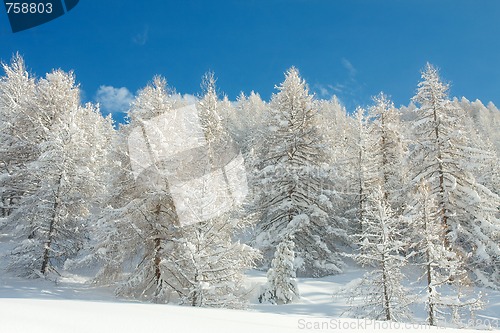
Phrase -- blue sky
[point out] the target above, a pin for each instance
(351, 48)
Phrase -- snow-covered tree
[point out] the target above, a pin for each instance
(196, 263)
(448, 286)
(443, 156)
(247, 123)
(141, 215)
(379, 294)
(64, 182)
(292, 180)
(19, 132)
(478, 120)
(376, 154)
(281, 286)
(384, 151)
(339, 132)
(217, 261)
(357, 167)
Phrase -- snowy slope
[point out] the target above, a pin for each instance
(72, 306)
(35, 315)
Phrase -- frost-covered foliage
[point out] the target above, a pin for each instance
(64, 183)
(443, 156)
(322, 181)
(18, 135)
(291, 179)
(198, 264)
(380, 294)
(483, 123)
(384, 151)
(448, 286)
(281, 287)
(378, 154)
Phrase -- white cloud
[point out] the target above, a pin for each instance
(328, 90)
(113, 100)
(142, 37)
(350, 68)
(323, 91)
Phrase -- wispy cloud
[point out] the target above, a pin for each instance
(350, 68)
(348, 88)
(114, 100)
(142, 37)
(328, 90)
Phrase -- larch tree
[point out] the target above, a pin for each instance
(143, 223)
(217, 261)
(384, 150)
(486, 166)
(381, 156)
(294, 198)
(51, 218)
(358, 167)
(443, 156)
(281, 286)
(19, 133)
(377, 155)
(337, 128)
(379, 294)
(447, 286)
(175, 259)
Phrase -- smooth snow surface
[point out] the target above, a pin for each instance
(36, 315)
(71, 306)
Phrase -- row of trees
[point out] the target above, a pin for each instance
(424, 206)
(416, 184)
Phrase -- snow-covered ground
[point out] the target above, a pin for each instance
(71, 305)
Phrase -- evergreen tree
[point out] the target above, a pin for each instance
(281, 287)
(192, 262)
(292, 181)
(51, 218)
(217, 261)
(442, 155)
(384, 151)
(142, 210)
(486, 166)
(380, 294)
(19, 133)
(448, 287)
(339, 132)
(359, 171)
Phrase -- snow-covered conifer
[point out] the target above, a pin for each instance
(379, 294)
(281, 286)
(443, 156)
(217, 261)
(384, 151)
(51, 218)
(447, 284)
(19, 133)
(198, 263)
(292, 180)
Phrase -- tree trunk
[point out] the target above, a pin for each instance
(48, 243)
(157, 247)
(4, 209)
(361, 199)
(384, 160)
(429, 289)
(441, 204)
(387, 304)
(430, 299)
(157, 259)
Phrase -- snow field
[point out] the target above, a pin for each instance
(71, 305)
